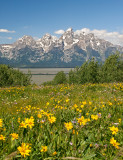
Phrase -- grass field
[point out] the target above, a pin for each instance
(62, 122)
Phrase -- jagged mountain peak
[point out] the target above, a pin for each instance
(25, 41)
(69, 48)
(47, 42)
(69, 30)
(47, 35)
(26, 38)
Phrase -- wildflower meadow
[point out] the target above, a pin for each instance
(62, 122)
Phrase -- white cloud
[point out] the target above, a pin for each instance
(113, 37)
(9, 37)
(59, 31)
(6, 31)
(6, 38)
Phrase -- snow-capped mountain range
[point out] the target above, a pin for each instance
(69, 50)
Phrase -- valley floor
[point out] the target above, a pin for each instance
(57, 122)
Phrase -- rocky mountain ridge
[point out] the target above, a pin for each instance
(69, 50)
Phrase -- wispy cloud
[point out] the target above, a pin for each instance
(113, 37)
(6, 38)
(9, 38)
(59, 31)
(6, 31)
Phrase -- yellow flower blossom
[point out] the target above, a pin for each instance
(82, 106)
(110, 104)
(84, 102)
(47, 103)
(94, 117)
(1, 123)
(29, 122)
(68, 125)
(54, 153)
(75, 106)
(82, 121)
(88, 120)
(44, 149)
(114, 143)
(119, 120)
(19, 120)
(52, 119)
(74, 132)
(14, 136)
(39, 115)
(67, 100)
(114, 130)
(2, 137)
(24, 149)
(23, 124)
(90, 103)
(91, 145)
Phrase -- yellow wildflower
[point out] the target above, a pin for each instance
(114, 130)
(67, 100)
(75, 106)
(52, 119)
(24, 149)
(19, 120)
(88, 120)
(73, 131)
(87, 113)
(68, 125)
(84, 103)
(59, 102)
(39, 115)
(29, 122)
(82, 106)
(23, 124)
(54, 153)
(1, 123)
(82, 120)
(2, 137)
(94, 117)
(119, 120)
(114, 143)
(110, 104)
(14, 136)
(44, 149)
(91, 145)
(47, 103)
(90, 103)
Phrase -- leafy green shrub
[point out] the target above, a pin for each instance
(60, 78)
(112, 69)
(93, 72)
(48, 83)
(74, 76)
(12, 77)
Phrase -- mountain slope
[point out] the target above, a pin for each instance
(69, 50)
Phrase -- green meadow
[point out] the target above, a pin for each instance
(62, 122)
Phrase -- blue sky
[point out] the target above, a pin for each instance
(37, 17)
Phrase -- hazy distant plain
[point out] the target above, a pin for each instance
(40, 75)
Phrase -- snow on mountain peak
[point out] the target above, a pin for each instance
(69, 30)
(69, 44)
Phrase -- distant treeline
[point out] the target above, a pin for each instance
(90, 72)
(93, 72)
(12, 77)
